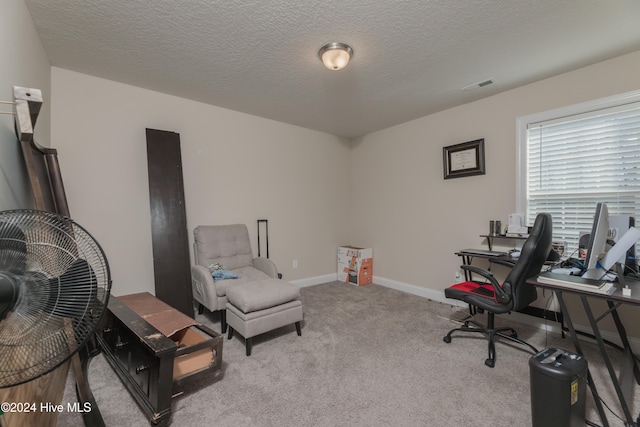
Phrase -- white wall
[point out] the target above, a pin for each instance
(237, 169)
(24, 63)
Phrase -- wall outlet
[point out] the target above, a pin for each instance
(458, 277)
(295, 264)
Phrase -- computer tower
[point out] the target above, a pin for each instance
(558, 388)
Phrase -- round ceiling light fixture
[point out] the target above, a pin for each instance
(335, 56)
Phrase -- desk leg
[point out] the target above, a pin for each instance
(466, 260)
(578, 347)
(607, 360)
(629, 360)
(624, 338)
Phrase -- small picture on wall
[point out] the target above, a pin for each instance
(464, 159)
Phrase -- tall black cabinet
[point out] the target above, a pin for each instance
(171, 264)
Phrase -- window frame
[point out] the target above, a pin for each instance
(524, 121)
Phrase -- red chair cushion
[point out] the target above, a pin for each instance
(461, 290)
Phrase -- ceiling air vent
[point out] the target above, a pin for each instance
(477, 85)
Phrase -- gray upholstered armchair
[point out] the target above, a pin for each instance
(227, 245)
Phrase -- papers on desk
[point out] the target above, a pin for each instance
(577, 282)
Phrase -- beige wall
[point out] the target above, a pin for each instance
(413, 218)
(237, 168)
(384, 190)
(24, 63)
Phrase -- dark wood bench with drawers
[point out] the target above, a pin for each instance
(152, 347)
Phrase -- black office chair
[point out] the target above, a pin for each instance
(513, 294)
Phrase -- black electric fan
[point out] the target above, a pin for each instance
(54, 288)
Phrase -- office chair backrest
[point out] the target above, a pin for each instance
(532, 257)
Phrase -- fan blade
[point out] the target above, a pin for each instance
(72, 293)
(54, 288)
(13, 248)
(9, 291)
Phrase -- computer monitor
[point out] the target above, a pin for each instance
(618, 227)
(618, 254)
(601, 258)
(597, 246)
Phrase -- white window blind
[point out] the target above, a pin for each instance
(574, 162)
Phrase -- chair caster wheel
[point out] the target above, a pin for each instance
(490, 363)
(447, 339)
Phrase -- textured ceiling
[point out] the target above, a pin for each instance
(260, 56)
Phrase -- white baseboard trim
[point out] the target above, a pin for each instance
(317, 280)
(609, 336)
(519, 317)
(420, 291)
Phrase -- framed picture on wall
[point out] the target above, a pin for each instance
(464, 159)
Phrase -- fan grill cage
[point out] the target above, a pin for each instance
(64, 282)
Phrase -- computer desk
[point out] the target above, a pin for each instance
(467, 259)
(623, 385)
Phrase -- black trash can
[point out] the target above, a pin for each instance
(558, 388)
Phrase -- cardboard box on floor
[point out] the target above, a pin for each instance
(355, 265)
(175, 325)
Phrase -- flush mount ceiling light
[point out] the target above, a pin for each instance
(335, 56)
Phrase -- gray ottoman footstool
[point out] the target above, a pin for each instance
(262, 306)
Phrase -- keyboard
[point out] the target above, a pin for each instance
(483, 252)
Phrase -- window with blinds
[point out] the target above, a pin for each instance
(575, 161)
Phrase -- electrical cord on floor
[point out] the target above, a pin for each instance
(605, 405)
(607, 342)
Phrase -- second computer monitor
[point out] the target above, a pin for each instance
(618, 227)
(597, 243)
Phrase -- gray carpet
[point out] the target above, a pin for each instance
(368, 356)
